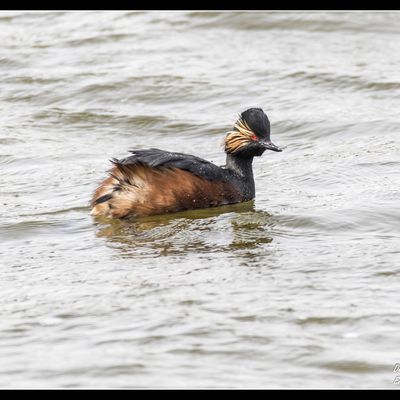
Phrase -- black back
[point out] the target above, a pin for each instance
(157, 158)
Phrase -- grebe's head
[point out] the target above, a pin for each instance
(250, 135)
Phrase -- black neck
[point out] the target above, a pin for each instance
(244, 169)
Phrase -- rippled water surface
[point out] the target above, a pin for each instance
(298, 288)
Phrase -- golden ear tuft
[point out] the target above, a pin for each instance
(243, 128)
(239, 137)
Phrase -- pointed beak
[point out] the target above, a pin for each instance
(269, 145)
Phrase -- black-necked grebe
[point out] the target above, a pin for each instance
(154, 181)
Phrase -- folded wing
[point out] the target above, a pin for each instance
(156, 182)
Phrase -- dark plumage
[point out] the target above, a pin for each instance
(155, 181)
(165, 159)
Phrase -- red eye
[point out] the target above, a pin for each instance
(254, 137)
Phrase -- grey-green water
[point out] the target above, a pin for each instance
(299, 288)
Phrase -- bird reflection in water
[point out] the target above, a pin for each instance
(202, 230)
